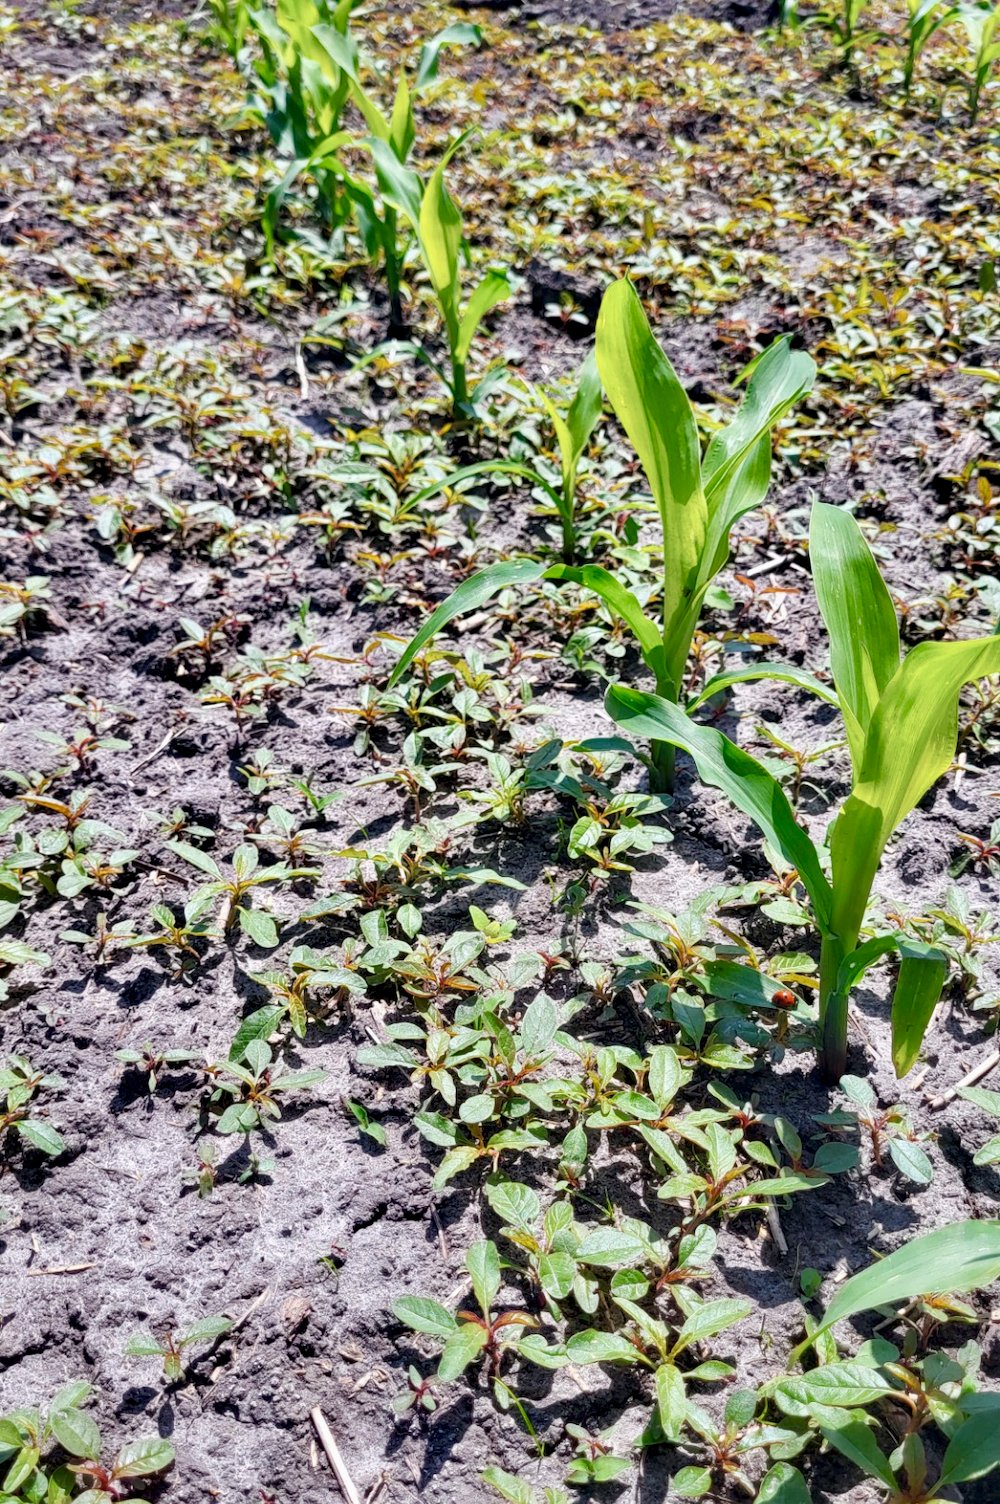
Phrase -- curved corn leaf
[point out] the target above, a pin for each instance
(473, 592)
(922, 974)
(621, 600)
(727, 767)
(859, 615)
(493, 289)
(780, 672)
(963, 1256)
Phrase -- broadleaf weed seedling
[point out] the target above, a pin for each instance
(21, 1085)
(171, 1347)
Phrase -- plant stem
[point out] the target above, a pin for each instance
(459, 389)
(832, 1011)
(661, 770)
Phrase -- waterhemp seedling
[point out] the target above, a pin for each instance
(887, 1128)
(699, 500)
(20, 1086)
(470, 1336)
(248, 1096)
(171, 1347)
(235, 891)
(28, 1476)
(901, 721)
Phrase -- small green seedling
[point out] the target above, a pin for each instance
(28, 1476)
(235, 891)
(470, 1336)
(154, 1063)
(595, 1460)
(888, 1128)
(20, 1085)
(989, 1101)
(170, 1348)
(251, 1097)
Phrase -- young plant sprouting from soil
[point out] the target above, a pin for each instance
(887, 1129)
(437, 225)
(27, 1475)
(648, 1342)
(20, 1113)
(470, 1336)
(395, 132)
(924, 18)
(154, 1063)
(520, 1491)
(251, 1096)
(833, 1397)
(901, 720)
(698, 500)
(982, 26)
(573, 429)
(234, 891)
(171, 1347)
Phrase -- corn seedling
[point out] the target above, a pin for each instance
(901, 720)
(302, 93)
(395, 133)
(437, 226)
(698, 501)
(982, 27)
(923, 19)
(573, 429)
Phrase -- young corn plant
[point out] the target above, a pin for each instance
(924, 18)
(437, 226)
(699, 499)
(901, 722)
(982, 27)
(302, 90)
(378, 224)
(573, 429)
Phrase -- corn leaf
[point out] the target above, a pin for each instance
(654, 410)
(781, 672)
(440, 231)
(963, 1256)
(493, 289)
(859, 615)
(621, 600)
(725, 766)
(911, 741)
(922, 975)
(473, 592)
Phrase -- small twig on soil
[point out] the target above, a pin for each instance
(442, 1240)
(377, 1489)
(300, 369)
(969, 1079)
(330, 1447)
(59, 1269)
(254, 1305)
(161, 746)
(774, 1228)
